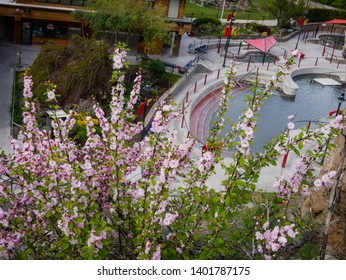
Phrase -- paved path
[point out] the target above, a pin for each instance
(8, 54)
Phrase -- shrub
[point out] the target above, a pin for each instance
(157, 68)
(318, 15)
(262, 28)
(199, 21)
(80, 70)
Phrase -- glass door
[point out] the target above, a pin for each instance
(26, 33)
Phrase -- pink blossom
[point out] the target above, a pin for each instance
(179, 250)
(157, 253)
(290, 125)
(318, 184)
(248, 113)
(51, 95)
(147, 247)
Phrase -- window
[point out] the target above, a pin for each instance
(78, 2)
(173, 8)
(63, 2)
(49, 30)
(151, 3)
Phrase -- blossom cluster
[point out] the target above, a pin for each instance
(272, 240)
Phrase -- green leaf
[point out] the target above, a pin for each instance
(228, 200)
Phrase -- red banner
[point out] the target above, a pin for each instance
(227, 31)
(300, 22)
(141, 108)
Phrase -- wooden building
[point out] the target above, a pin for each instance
(33, 22)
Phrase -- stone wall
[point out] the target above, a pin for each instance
(315, 206)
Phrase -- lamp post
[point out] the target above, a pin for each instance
(301, 28)
(341, 99)
(230, 33)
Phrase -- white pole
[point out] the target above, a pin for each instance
(223, 8)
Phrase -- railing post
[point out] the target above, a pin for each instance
(268, 65)
(183, 118)
(205, 79)
(337, 67)
(195, 89)
(219, 45)
(285, 160)
(248, 64)
(187, 97)
(316, 61)
(307, 35)
(308, 126)
(324, 49)
(218, 74)
(300, 59)
(331, 59)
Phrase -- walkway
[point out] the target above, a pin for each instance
(8, 54)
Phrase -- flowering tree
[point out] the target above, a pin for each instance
(116, 198)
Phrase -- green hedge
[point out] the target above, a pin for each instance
(319, 15)
(205, 20)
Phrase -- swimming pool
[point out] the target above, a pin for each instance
(258, 58)
(312, 102)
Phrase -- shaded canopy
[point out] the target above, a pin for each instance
(263, 44)
(335, 21)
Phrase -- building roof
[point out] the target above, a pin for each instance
(335, 21)
(42, 7)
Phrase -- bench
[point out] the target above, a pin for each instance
(201, 49)
(183, 70)
(170, 65)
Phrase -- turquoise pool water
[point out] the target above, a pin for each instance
(312, 102)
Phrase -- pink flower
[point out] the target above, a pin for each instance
(318, 184)
(248, 113)
(275, 247)
(179, 250)
(157, 253)
(290, 125)
(147, 247)
(259, 236)
(51, 95)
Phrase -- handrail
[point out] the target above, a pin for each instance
(200, 56)
(248, 74)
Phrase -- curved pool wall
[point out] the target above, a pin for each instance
(330, 39)
(289, 86)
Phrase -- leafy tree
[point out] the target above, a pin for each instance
(80, 70)
(127, 17)
(115, 198)
(334, 3)
(157, 68)
(283, 10)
